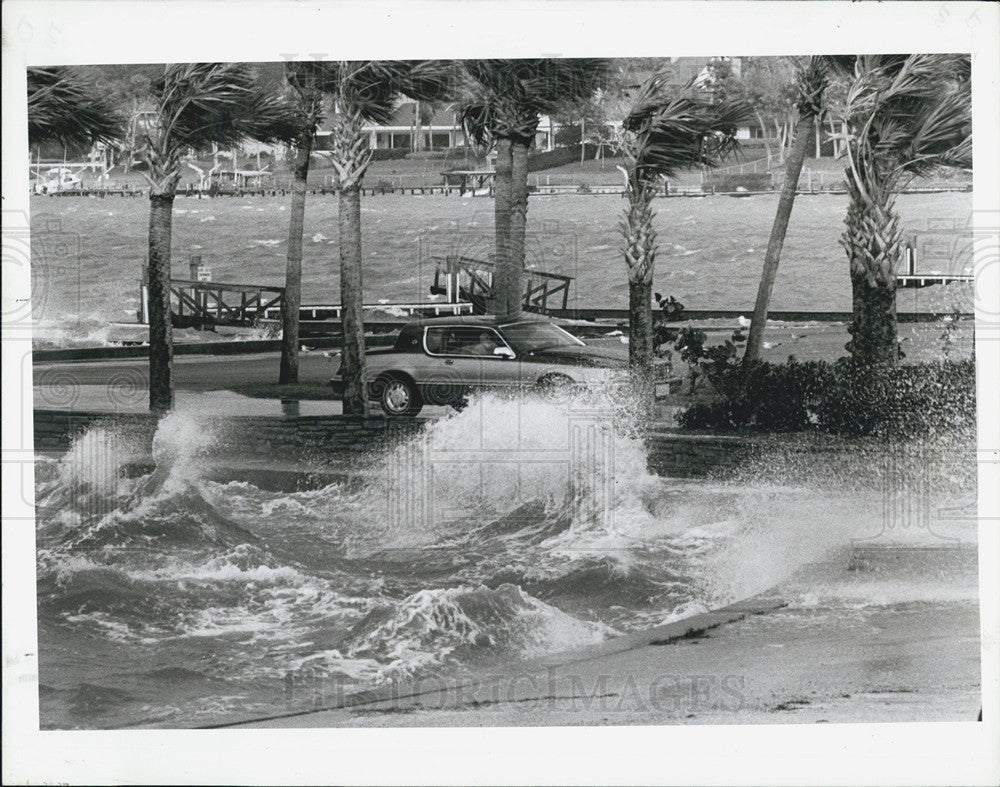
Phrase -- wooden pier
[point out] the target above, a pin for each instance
(205, 304)
(466, 279)
(941, 250)
(914, 281)
(472, 180)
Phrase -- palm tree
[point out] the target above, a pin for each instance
(64, 106)
(507, 99)
(363, 91)
(663, 132)
(306, 81)
(811, 83)
(196, 104)
(906, 116)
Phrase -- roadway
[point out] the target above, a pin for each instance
(209, 384)
(248, 383)
(191, 372)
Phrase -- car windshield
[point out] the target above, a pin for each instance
(526, 337)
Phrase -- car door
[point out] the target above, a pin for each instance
(448, 371)
(499, 371)
(466, 358)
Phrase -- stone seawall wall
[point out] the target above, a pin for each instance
(313, 439)
(683, 455)
(247, 437)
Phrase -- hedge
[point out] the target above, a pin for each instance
(914, 399)
(386, 154)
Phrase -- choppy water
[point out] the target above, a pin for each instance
(87, 252)
(172, 600)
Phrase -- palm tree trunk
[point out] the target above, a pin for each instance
(803, 132)
(874, 335)
(872, 242)
(502, 204)
(161, 345)
(518, 226)
(418, 137)
(640, 326)
(640, 256)
(355, 400)
(289, 368)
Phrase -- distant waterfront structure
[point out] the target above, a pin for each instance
(440, 130)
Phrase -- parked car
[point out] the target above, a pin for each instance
(439, 361)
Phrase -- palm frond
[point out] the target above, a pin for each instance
(507, 97)
(477, 120)
(202, 103)
(64, 106)
(908, 114)
(811, 84)
(429, 80)
(306, 79)
(942, 135)
(839, 65)
(372, 87)
(687, 129)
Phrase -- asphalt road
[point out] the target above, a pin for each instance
(213, 373)
(191, 372)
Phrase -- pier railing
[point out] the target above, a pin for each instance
(467, 279)
(197, 304)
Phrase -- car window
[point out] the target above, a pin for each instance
(531, 336)
(408, 340)
(434, 340)
(461, 340)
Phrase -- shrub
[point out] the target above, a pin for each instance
(703, 363)
(389, 154)
(770, 397)
(906, 401)
(910, 400)
(546, 159)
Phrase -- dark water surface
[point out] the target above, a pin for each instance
(88, 252)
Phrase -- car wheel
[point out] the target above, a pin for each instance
(399, 397)
(556, 386)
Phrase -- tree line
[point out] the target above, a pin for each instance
(904, 115)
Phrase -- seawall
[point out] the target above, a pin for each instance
(337, 444)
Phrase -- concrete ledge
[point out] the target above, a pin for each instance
(465, 692)
(305, 447)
